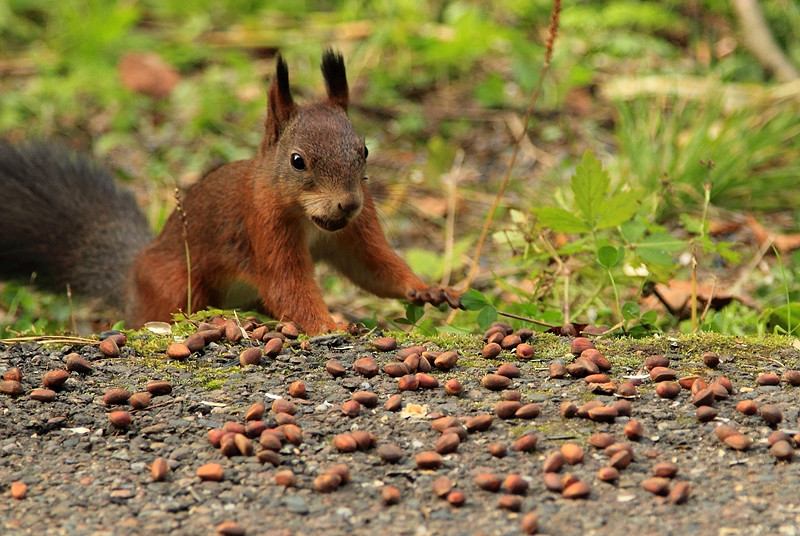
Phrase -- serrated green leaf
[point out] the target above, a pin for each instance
(691, 224)
(589, 186)
(609, 256)
(618, 209)
(559, 220)
(724, 250)
(486, 316)
(472, 300)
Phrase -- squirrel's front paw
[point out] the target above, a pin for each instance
(435, 296)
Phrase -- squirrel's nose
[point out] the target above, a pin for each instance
(349, 209)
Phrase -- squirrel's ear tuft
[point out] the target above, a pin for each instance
(281, 106)
(335, 78)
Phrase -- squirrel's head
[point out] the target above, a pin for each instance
(319, 159)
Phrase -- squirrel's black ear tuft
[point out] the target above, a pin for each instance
(282, 77)
(335, 78)
(280, 105)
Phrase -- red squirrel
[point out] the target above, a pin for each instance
(262, 221)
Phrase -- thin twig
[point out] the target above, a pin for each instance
(693, 301)
(451, 181)
(72, 319)
(548, 56)
(180, 210)
(526, 319)
(50, 339)
(708, 302)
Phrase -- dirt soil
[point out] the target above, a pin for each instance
(86, 476)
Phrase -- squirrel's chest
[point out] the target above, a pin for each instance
(320, 243)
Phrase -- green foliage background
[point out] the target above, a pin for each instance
(435, 80)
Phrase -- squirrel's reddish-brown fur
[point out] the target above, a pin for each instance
(264, 221)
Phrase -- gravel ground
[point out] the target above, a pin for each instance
(86, 476)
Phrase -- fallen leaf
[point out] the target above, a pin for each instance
(147, 73)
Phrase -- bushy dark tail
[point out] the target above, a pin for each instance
(62, 217)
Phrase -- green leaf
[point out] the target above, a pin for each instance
(619, 208)
(486, 316)
(649, 318)
(630, 311)
(609, 256)
(633, 230)
(691, 224)
(472, 300)
(658, 248)
(559, 220)
(724, 250)
(784, 319)
(589, 186)
(414, 312)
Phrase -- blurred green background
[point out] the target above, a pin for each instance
(652, 88)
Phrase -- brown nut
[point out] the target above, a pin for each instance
(210, 471)
(668, 389)
(76, 363)
(488, 481)
(453, 387)
(446, 360)
(158, 387)
(116, 396)
(634, 430)
(491, 350)
(497, 449)
(159, 469)
(140, 400)
(771, 413)
(505, 409)
(428, 460)
(495, 382)
(120, 419)
(366, 366)
(656, 485)
(285, 478)
(250, 356)
(748, 407)
(394, 403)
(479, 423)
(335, 369)
(572, 452)
(177, 350)
(366, 398)
(409, 382)
(385, 344)
(515, 484)
(54, 379)
(738, 442)
(526, 443)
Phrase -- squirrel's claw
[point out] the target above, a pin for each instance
(435, 296)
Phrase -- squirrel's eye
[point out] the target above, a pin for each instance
(297, 162)
(366, 152)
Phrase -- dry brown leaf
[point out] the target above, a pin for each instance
(148, 74)
(784, 243)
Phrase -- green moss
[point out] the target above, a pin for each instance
(214, 385)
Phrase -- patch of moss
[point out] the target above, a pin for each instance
(213, 385)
